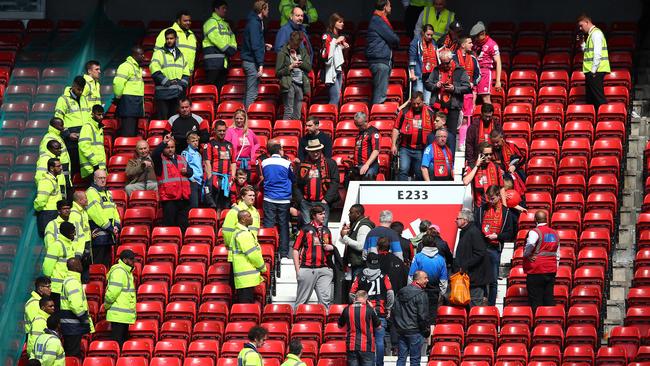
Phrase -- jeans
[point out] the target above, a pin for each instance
(305, 206)
(410, 345)
(476, 295)
(380, 334)
(380, 74)
(195, 194)
(495, 261)
(335, 89)
(278, 213)
(418, 85)
(409, 164)
(540, 289)
(252, 83)
(372, 172)
(293, 102)
(358, 358)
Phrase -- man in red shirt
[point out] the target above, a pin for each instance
(220, 164)
(412, 126)
(479, 131)
(310, 251)
(366, 148)
(361, 321)
(483, 174)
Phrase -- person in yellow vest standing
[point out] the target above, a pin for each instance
(56, 257)
(295, 351)
(412, 10)
(246, 203)
(128, 88)
(249, 355)
(75, 318)
(103, 218)
(48, 349)
(92, 155)
(186, 41)
(39, 323)
(595, 62)
(42, 288)
(48, 193)
(54, 149)
(119, 300)
(92, 90)
(79, 218)
(52, 228)
(170, 72)
(72, 107)
(247, 261)
(438, 16)
(219, 44)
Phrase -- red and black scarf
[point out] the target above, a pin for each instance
(492, 222)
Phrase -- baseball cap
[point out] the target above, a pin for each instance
(434, 226)
(456, 26)
(476, 29)
(372, 260)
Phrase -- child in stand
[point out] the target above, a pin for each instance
(511, 198)
(194, 161)
(240, 180)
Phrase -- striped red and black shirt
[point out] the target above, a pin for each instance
(220, 155)
(367, 142)
(377, 289)
(311, 242)
(361, 321)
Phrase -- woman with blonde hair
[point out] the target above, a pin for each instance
(332, 55)
(243, 140)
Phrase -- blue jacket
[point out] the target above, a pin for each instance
(194, 161)
(415, 55)
(431, 262)
(282, 38)
(381, 41)
(278, 179)
(378, 232)
(254, 47)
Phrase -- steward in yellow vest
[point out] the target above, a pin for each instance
(75, 318)
(119, 300)
(92, 155)
(54, 150)
(52, 228)
(41, 289)
(56, 257)
(39, 323)
(103, 218)
(246, 203)
(186, 40)
(595, 62)
(48, 348)
(438, 16)
(128, 88)
(249, 355)
(295, 351)
(247, 261)
(92, 91)
(219, 44)
(170, 71)
(48, 193)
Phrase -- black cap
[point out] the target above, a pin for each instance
(372, 260)
(455, 26)
(127, 254)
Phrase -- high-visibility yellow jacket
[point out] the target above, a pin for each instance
(49, 350)
(166, 68)
(92, 91)
(55, 262)
(292, 360)
(79, 218)
(219, 42)
(48, 193)
(247, 261)
(31, 310)
(286, 7)
(74, 112)
(185, 41)
(128, 87)
(119, 300)
(420, 3)
(52, 231)
(54, 134)
(440, 24)
(41, 168)
(39, 324)
(588, 57)
(249, 356)
(230, 223)
(101, 209)
(75, 319)
(91, 148)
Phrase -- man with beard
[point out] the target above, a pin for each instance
(317, 181)
(479, 131)
(508, 156)
(353, 236)
(186, 41)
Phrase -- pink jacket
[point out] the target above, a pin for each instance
(235, 136)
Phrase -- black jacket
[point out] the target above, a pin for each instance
(443, 249)
(507, 227)
(411, 311)
(461, 86)
(396, 270)
(471, 256)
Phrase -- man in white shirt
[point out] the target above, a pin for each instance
(595, 63)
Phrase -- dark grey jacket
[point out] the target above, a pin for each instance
(411, 311)
(459, 78)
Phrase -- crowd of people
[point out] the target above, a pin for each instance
(396, 284)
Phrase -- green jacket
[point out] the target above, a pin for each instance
(230, 224)
(292, 360)
(49, 350)
(55, 262)
(247, 261)
(92, 91)
(119, 300)
(48, 193)
(38, 326)
(286, 7)
(186, 42)
(31, 310)
(91, 148)
(73, 112)
(283, 72)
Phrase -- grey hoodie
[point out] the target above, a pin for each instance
(369, 276)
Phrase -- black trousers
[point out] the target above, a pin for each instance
(128, 127)
(246, 295)
(433, 294)
(119, 332)
(411, 15)
(594, 90)
(175, 213)
(217, 77)
(72, 345)
(540, 290)
(103, 254)
(166, 108)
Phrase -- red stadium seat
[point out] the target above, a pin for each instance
(517, 315)
(261, 110)
(176, 329)
(135, 234)
(334, 333)
(310, 312)
(157, 272)
(169, 348)
(580, 112)
(546, 353)
(208, 330)
(324, 111)
(445, 351)
(514, 333)
(513, 352)
(144, 329)
(204, 348)
(205, 109)
(448, 333)
(482, 333)
(611, 356)
(581, 335)
(308, 331)
(484, 314)
(104, 349)
(204, 93)
(579, 354)
(568, 200)
(478, 353)
(348, 110)
(227, 109)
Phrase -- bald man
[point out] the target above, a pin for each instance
(541, 257)
(139, 170)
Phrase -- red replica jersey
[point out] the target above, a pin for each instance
(414, 128)
(311, 243)
(316, 178)
(377, 289)
(367, 142)
(361, 320)
(220, 155)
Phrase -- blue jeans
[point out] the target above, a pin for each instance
(410, 345)
(409, 164)
(418, 85)
(278, 213)
(357, 358)
(252, 82)
(495, 261)
(372, 171)
(380, 74)
(380, 334)
(335, 89)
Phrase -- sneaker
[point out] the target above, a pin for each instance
(286, 260)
